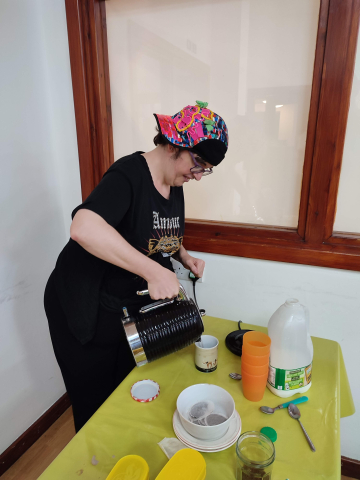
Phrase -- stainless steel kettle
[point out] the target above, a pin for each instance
(163, 327)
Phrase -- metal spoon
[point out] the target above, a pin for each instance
(235, 376)
(294, 412)
(270, 410)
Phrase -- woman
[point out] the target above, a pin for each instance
(122, 238)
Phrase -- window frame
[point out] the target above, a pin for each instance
(313, 242)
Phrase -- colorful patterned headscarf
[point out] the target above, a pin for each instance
(196, 128)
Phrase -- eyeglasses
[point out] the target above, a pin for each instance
(198, 168)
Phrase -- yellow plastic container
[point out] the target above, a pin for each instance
(186, 464)
(131, 467)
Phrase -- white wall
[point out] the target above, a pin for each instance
(251, 290)
(39, 185)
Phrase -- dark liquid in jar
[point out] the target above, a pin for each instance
(249, 473)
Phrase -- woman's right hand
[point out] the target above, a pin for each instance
(163, 285)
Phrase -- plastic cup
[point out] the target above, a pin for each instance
(256, 343)
(255, 351)
(254, 386)
(254, 370)
(257, 360)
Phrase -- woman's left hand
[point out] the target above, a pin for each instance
(195, 265)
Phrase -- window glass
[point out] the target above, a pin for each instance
(348, 215)
(252, 61)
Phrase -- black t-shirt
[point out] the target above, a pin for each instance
(127, 199)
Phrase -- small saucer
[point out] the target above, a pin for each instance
(209, 446)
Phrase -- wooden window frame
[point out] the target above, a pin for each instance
(313, 242)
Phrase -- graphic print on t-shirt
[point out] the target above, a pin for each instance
(168, 241)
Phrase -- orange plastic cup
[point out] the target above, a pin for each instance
(256, 343)
(253, 386)
(254, 370)
(256, 360)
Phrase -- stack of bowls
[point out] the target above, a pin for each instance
(223, 401)
(255, 364)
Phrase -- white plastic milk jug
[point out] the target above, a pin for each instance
(291, 351)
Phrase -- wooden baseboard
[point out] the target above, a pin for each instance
(350, 468)
(33, 433)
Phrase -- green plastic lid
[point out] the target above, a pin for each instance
(270, 433)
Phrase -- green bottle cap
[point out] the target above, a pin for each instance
(270, 433)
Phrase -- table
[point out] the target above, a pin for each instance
(122, 426)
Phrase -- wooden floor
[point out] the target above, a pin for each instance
(31, 465)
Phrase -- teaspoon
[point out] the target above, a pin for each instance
(294, 412)
(270, 410)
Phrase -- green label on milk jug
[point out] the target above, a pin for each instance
(289, 379)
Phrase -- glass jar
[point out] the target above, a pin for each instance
(255, 455)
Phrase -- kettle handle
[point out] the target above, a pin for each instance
(181, 295)
(155, 305)
(167, 301)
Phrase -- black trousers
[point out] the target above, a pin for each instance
(91, 372)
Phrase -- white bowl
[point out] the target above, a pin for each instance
(224, 404)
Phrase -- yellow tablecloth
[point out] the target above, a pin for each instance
(122, 426)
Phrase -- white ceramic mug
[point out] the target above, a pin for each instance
(206, 353)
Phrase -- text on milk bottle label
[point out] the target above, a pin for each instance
(289, 379)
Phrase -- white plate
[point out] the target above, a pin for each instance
(222, 443)
(204, 449)
(207, 449)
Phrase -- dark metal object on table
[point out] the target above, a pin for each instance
(163, 327)
(234, 340)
